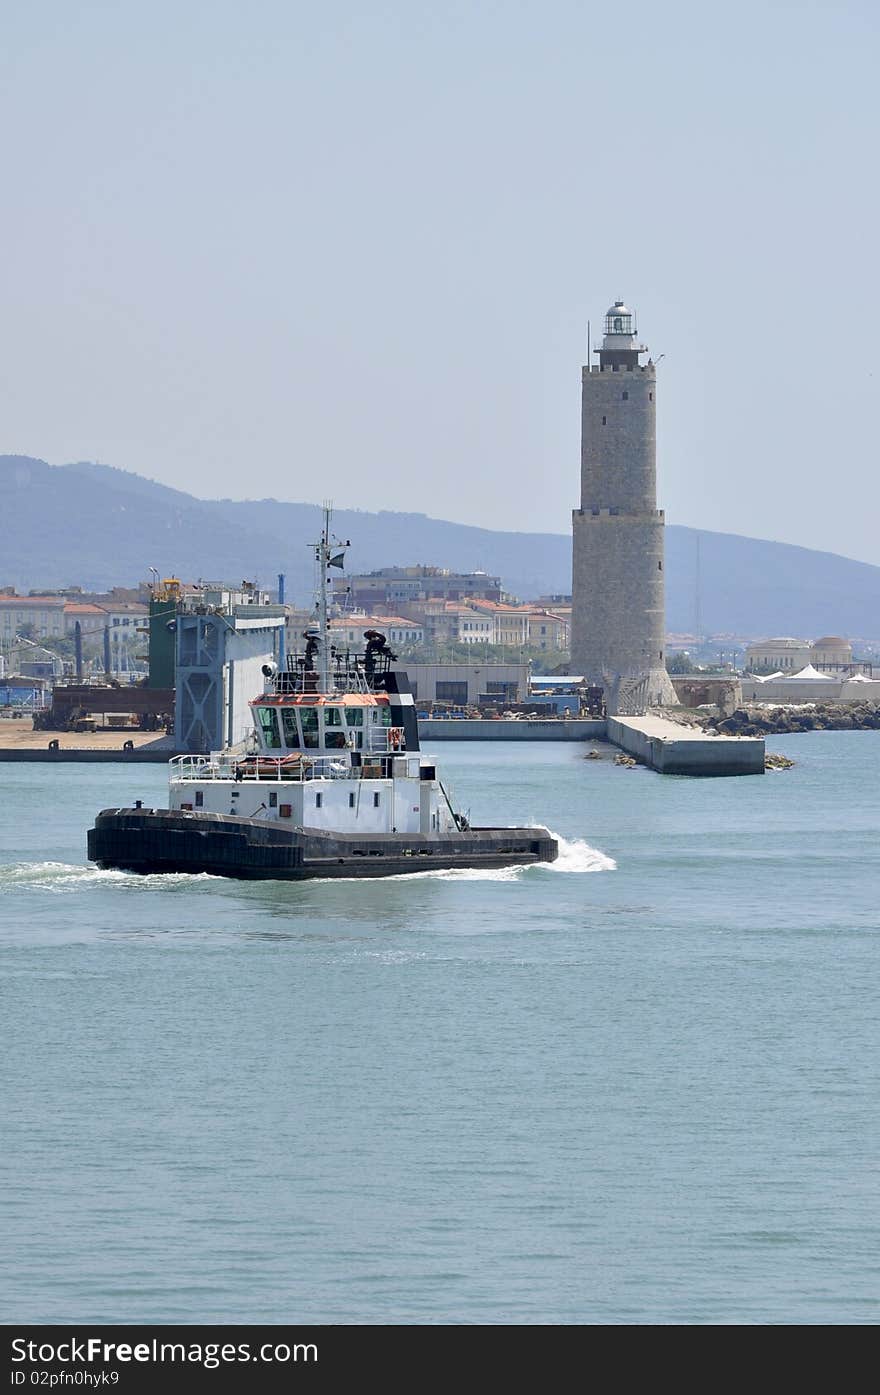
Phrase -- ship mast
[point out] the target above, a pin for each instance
(324, 561)
(328, 553)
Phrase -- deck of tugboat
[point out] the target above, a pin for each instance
(239, 769)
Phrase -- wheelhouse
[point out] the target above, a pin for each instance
(354, 722)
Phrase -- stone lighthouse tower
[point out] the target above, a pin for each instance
(618, 614)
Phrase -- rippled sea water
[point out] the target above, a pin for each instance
(638, 1086)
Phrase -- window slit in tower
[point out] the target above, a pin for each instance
(604, 421)
(626, 397)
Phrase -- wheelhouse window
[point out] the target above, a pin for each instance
(308, 716)
(354, 717)
(269, 727)
(334, 732)
(288, 723)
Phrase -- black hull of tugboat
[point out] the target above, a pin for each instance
(162, 840)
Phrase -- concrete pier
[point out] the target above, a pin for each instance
(84, 755)
(527, 729)
(673, 749)
(665, 746)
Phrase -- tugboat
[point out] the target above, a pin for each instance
(331, 782)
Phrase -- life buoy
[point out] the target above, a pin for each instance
(395, 737)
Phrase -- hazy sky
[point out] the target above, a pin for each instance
(350, 250)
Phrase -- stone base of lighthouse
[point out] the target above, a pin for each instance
(618, 623)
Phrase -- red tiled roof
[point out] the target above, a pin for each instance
(373, 622)
(37, 602)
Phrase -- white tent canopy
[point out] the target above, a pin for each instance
(809, 675)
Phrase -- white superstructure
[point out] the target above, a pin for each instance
(334, 745)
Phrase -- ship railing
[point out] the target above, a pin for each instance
(262, 768)
(386, 741)
(296, 683)
(347, 673)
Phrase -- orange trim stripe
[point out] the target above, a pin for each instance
(314, 700)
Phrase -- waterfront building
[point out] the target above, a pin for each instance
(466, 684)
(451, 622)
(470, 625)
(785, 655)
(557, 605)
(92, 619)
(389, 587)
(475, 621)
(41, 615)
(510, 623)
(548, 630)
(618, 620)
(831, 654)
(349, 630)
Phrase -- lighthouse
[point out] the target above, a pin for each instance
(618, 610)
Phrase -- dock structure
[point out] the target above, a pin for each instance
(79, 755)
(673, 749)
(663, 745)
(521, 729)
(655, 741)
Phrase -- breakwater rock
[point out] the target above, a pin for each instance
(774, 761)
(824, 716)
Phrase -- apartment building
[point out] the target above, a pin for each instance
(389, 587)
(349, 630)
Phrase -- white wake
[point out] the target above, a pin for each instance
(67, 876)
(51, 875)
(576, 855)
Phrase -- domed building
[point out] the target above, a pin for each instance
(786, 656)
(782, 655)
(831, 654)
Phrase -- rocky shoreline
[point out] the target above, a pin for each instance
(754, 720)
